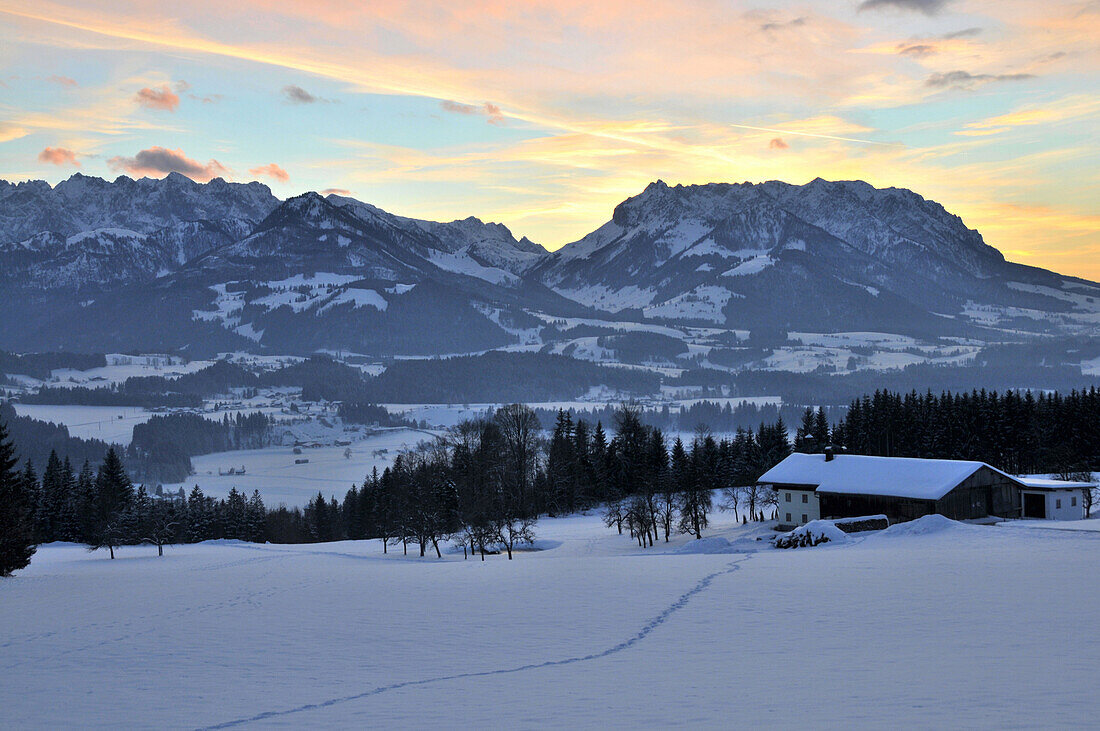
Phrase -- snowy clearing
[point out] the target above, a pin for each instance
(943, 625)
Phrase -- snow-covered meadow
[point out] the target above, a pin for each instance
(925, 624)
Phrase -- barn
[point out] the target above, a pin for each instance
(812, 486)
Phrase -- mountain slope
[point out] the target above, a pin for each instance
(825, 256)
(306, 273)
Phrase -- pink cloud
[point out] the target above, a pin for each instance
(272, 171)
(335, 191)
(777, 143)
(491, 111)
(63, 81)
(58, 156)
(159, 161)
(163, 98)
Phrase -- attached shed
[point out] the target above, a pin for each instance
(1053, 499)
(845, 486)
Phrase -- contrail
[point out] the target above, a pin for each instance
(812, 134)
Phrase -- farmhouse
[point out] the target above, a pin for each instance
(812, 486)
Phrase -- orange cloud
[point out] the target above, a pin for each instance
(272, 171)
(163, 98)
(58, 156)
(159, 161)
(335, 191)
(777, 143)
(9, 132)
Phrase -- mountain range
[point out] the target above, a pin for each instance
(146, 264)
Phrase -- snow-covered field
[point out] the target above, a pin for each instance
(956, 628)
(113, 424)
(274, 473)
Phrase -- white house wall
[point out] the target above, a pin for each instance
(791, 504)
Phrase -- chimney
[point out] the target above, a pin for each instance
(829, 454)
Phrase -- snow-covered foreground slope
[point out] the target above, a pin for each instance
(962, 627)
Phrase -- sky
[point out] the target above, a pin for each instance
(543, 115)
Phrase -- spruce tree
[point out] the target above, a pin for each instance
(51, 500)
(85, 504)
(34, 488)
(114, 492)
(16, 511)
(68, 517)
(257, 517)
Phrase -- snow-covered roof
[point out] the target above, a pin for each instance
(851, 474)
(1045, 483)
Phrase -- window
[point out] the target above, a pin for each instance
(1073, 502)
(805, 498)
(788, 517)
(805, 518)
(788, 497)
(1058, 504)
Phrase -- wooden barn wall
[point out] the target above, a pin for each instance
(896, 509)
(984, 493)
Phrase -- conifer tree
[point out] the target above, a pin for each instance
(68, 517)
(52, 500)
(34, 487)
(85, 504)
(257, 515)
(16, 511)
(114, 493)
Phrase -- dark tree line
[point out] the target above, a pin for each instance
(482, 486)
(113, 395)
(825, 388)
(103, 509)
(720, 416)
(1020, 433)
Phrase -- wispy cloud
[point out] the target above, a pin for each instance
(159, 161)
(9, 132)
(971, 32)
(1067, 108)
(335, 191)
(64, 81)
(294, 94)
(491, 111)
(928, 7)
(966, 80)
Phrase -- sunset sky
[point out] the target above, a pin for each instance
(543, 115)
